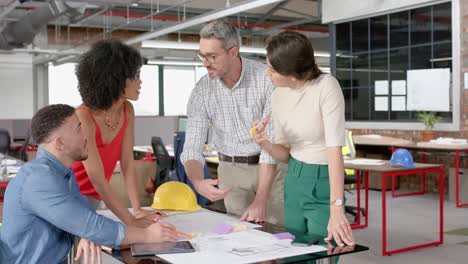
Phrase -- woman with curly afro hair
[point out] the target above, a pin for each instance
(108, 77)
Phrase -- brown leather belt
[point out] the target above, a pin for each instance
(239, 159)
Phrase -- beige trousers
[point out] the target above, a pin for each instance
(243, 178)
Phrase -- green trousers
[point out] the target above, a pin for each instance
(306, 198)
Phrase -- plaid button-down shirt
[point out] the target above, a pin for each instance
(230, 112)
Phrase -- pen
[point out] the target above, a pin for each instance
(252, 130)
(157, 219)
(183, 234)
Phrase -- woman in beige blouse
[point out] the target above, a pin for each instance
(308, 121)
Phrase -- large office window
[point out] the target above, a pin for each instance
(374, 54)
(63, 88)
(178, 85)
(148, 102)
(63, 85)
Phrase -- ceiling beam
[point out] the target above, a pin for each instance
(216, 14)
(9, 8)
(271, 12)
(285, 25)
(296, 12)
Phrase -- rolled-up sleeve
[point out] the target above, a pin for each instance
(51, 198)
(197, 128)
(332, 104)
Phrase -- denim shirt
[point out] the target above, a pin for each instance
(42, 212)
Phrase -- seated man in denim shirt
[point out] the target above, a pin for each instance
(43, 208)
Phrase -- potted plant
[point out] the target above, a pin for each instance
(429, 119)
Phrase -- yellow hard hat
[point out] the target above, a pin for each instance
(175, 195)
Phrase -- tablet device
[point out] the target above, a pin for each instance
(153, 249)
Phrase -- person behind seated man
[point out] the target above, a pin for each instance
(43, 207)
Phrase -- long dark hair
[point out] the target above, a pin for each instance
(291, 54)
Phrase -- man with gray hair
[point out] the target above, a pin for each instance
(235, 92)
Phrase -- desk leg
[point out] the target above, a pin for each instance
(440, 170)
(366, 186)
(457, 180)
(358, 224)
(423, 183)
(441, 205)
(358, 189)
(384, 214)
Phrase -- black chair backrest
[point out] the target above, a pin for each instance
(163, 160)
(22, 155)
(5, 141)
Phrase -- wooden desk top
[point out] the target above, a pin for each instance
(429, 145)
(388, 167)
(375, 140)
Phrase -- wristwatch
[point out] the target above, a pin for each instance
(337, 202)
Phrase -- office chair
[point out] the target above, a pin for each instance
(350, 178)
(164, 164)
(5, 141)
(179, 140)
(22, 154)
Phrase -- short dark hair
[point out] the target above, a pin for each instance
(291, 54)
(103, 70)
(48, 119)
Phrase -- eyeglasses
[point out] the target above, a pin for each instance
(209, 58)
(135, 76)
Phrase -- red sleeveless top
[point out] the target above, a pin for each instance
(109, 153)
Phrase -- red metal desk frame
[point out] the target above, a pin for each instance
(384, 174)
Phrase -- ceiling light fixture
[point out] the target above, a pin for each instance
(174, 63)
(164, 44)
(203, 18)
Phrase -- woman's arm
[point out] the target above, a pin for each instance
(276, 151)
(338, 225)
(95, 171)
(127, 161)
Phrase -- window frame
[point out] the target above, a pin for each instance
(454, 125)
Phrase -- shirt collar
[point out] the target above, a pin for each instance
(56, 164)
(243, 66)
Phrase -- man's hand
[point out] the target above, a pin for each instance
(140, 213)
(90, 250)
(145, 221)
(161, 232)
(255, 213)
(208, 189)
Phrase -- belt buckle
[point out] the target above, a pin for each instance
(232, 161)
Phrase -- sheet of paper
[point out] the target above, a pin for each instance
(361, 161)
(381, 103)
(381, 87)
(199, 223)
(398, 103)
(203, 222)
(241, 247)
(371, 136)
(399, 87)
(428, 90)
